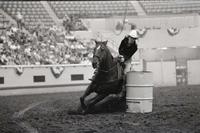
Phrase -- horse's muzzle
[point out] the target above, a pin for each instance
(94, 64)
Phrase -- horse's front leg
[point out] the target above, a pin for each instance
(94, 101)
(87, 92)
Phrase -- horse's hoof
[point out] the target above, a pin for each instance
(82, 103)
(83, 112)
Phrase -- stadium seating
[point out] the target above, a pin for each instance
(170, 7)
(92, 9)
(42, 46)
(33, 11)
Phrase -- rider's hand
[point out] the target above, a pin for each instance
(121, 58)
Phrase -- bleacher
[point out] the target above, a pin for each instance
(92, 9)
(170, 7)
(32, 11)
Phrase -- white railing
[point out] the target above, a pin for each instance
(42, 66)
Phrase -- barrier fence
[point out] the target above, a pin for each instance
(23, 76)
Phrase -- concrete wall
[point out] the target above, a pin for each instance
(9, 77)
(157, 35)
(170, 54)
(193, 72)
(160, 38)
(164, 73)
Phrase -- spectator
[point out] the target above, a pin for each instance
(25, 48)
(20, 20)
(67, 23)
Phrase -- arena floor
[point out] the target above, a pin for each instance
(175, 110)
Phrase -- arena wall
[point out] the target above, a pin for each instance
(187, 37)
(156, 35)
(47, 75)
(164, 72)
(20, 80)
(193, 72)
(158, 38)
(171, 53)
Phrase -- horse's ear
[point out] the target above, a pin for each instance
(95, 41)
(105, 42)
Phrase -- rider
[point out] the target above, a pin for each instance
(128, 47)
(20, 20)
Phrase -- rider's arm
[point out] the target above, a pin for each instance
(123, 45)
(134, 48)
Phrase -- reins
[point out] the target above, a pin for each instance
(118, 71)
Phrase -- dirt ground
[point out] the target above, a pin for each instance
(175, 110)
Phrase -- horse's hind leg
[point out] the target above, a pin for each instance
(87, 92)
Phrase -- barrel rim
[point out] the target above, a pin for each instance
(139, 85)
(129, 111)
(140, 72)
(149, 98)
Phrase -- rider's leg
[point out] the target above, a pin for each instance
(122, 94)
(127, 66)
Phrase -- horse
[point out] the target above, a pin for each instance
(108, 78)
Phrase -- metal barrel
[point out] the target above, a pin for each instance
(139, 91)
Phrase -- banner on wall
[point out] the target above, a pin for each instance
(173, 31)
(142, 32)
(117, 25)
(19, 70)
(57, 71)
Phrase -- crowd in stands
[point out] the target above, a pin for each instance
(72, 23)
(42, 45)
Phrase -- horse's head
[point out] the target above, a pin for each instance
(106, 66)
(99, 53)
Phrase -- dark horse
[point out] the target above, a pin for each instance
(108, 77)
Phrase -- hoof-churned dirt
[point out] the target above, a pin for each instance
(175, 110)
